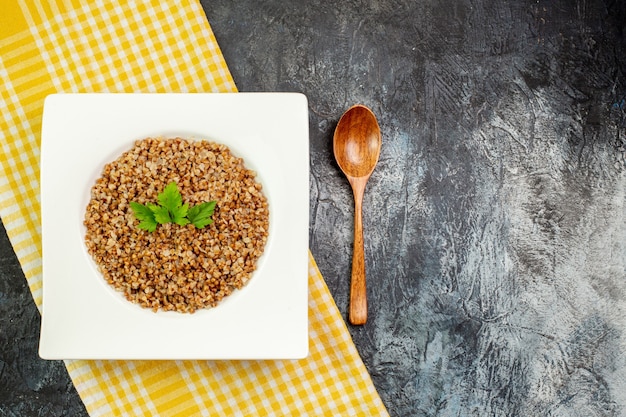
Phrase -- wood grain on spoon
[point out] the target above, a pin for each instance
(356, 146)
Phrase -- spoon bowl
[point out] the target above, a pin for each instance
(356, 145)
(357, 142)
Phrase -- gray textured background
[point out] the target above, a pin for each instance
(495, 222)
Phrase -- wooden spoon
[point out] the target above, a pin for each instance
(356, 146)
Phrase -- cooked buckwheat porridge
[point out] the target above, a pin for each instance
(177, 268)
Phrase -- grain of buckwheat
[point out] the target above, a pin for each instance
(177, 268)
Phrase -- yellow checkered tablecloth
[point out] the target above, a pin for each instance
(150, 46)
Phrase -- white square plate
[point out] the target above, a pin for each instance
(85, 318)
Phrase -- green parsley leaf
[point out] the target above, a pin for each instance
(180, 215)
(172, 210)
(161, 214)
(141, 212)
(147, 225)
(170, 198)
(172, 201)
(145, 215)
(200, 215)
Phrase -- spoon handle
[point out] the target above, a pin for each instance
(358, 288)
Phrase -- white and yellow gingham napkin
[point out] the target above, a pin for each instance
(51, 46)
